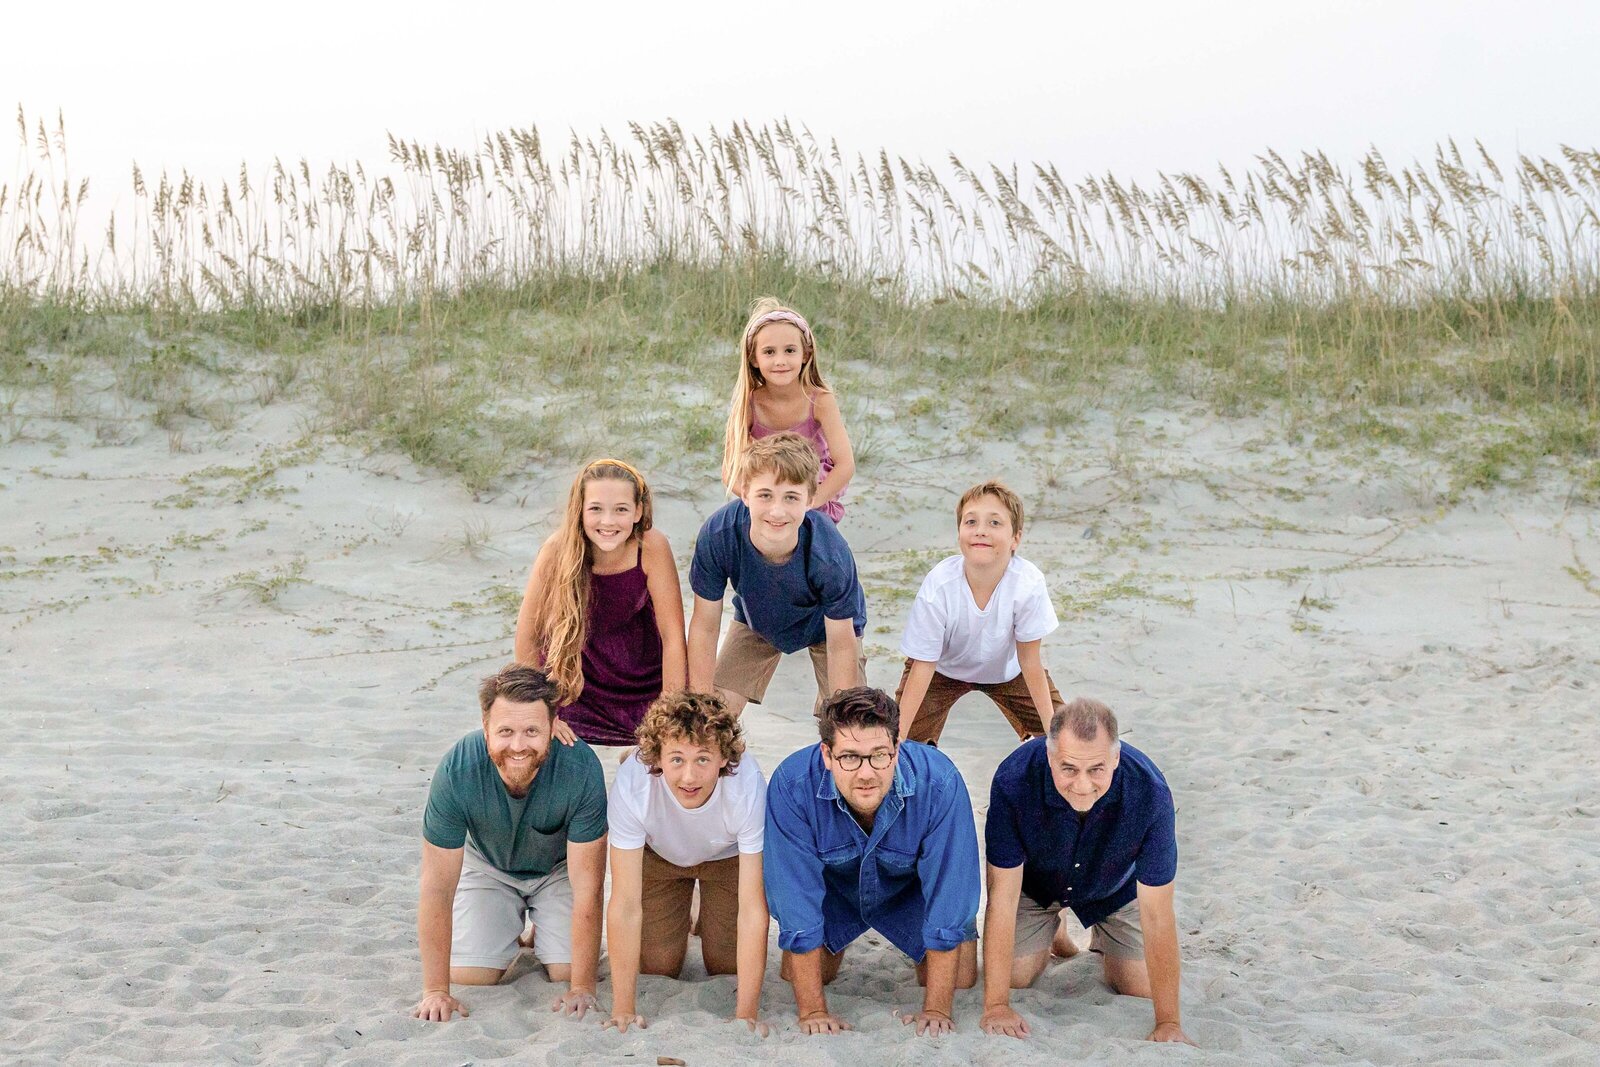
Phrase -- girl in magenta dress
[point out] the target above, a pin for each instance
(603, 613)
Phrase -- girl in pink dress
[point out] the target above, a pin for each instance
(780, 388)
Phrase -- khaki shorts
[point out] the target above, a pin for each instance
(1117, 935)
(491, 906)
(665, 895)
(746, 662)
(1013, 699)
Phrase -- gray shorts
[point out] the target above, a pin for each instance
(1117, 935)
(490, 906)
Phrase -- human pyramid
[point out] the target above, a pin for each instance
(871, 827)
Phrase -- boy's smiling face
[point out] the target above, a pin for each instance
(776, 511)
(985, 533)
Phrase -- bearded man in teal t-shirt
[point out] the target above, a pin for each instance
(515, 828)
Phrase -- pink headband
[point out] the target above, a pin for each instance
(780, 316)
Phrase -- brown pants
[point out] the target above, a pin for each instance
(1011, 697)
(664, 931)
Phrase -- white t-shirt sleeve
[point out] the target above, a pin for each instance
(625, 806)
(1034, 615)
(925, 625)
(752, 831)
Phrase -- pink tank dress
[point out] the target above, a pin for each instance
(810, 429)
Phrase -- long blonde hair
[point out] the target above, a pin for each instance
(736, 438)
(561, 604)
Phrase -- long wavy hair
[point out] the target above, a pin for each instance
(561, 604)
(736, 438)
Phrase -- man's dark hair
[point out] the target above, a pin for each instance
(520, 683)
(861, 708)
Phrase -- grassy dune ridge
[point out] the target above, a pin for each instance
(475, 308)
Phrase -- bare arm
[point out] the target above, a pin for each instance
(939, 992)
(704, 627)
(1160, 927)
(441, 871)
(666, 595)
(526, 645)
(999, 952)
(586, 869)
(1032, 664)
(810, 1003)
(624, 916)
(844, 456)
(841, 653)
(752, 938)
(911, 697)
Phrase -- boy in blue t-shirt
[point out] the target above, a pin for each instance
(793, 576)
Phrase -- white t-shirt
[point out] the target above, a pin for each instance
(642, 810)
(946, 627)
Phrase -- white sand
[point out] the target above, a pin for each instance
(1377, 717)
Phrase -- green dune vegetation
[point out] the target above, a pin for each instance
(479, 310)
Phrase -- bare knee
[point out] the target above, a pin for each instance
(558, 972)
(1025, 970)
(476, 975)
(1130, 978)
(735, 702)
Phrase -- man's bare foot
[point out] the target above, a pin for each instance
(1062, 946)
(526, 938)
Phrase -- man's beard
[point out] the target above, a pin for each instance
(517, 782)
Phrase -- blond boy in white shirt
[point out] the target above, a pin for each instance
(978, 622)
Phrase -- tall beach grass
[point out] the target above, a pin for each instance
(432, 290)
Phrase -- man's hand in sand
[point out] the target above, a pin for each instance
(623, 1021)
(438, 1006)
(759, 1027)
(823, 1022)
(1004, 1020)
(1170, 1032)
(929, 1021)
(575, 1002)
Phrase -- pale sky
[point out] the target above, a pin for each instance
(1130, 87)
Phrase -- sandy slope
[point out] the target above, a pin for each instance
(229, 673)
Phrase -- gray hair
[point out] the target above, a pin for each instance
(1084, 718)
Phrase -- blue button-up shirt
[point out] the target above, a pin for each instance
(914, 879)
(1089, 862)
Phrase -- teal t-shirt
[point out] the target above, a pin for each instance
(524, 837)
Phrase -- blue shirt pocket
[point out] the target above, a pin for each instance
(896, 862)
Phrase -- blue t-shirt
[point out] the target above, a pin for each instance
(524, 836)
(914, 879)
(1088, 862)
(784, 603)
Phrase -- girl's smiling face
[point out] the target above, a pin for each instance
(780, 352)
(609, 513)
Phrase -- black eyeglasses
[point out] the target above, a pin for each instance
(851, 761)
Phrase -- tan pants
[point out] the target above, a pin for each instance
(664, 929)
(746, 662)
(1012, 697)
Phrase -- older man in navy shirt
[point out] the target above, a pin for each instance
(863, 832)
(1078, 819)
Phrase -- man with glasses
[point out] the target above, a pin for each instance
(865, 831)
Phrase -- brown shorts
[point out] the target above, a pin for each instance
(1118, 935)
(1012, 697)
(665, 894)
(746, 662)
